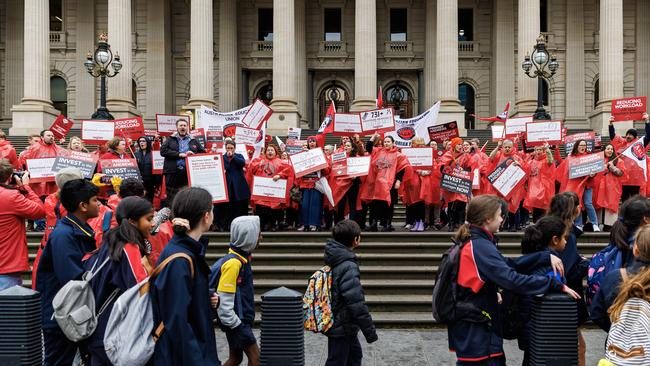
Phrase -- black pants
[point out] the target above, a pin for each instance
(456, 213)
(269, 217)
(59, 350)
(629, 191)
(349, 200)
(225, 212)
(415, 212)
(538, 213)
(344, 351)
(381, 211)
(174, 183)
(291, 216)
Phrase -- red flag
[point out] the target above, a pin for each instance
(380, 99)
(328, 126)
(501, 117)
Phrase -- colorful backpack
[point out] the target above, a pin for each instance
(316, 304)
(603, 262)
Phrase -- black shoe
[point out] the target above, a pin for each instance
(385, 229)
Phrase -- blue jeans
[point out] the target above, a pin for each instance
(589, 207)
(8, 280)
(311, 207)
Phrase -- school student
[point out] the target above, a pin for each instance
(349, 307)
(61, 262)
(180, 297)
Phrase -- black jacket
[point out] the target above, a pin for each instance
(348, 302)
(145, 164)
(169, 151)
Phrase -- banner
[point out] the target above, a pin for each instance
(85, 162)
(40, 170)
(589, 137)
(206, 171)
(506, 177)
(158, 162)
(376, 121)
(347, 124)
(358, 166)
(97, 132)
(637, 153)
(419, 157)
(458, 181)
(515, 126)
(445, 131)
(541, 132)
(199, 136)
(308, 162)
(131, 128)
(123, 168)
(257, 114)
(245, 135)
(629, 109)
(582, 166)
(498, 131)
(166, 123)
(269, 190)
(339, 163)
(407, 129)
(61, 126)
(211, 120)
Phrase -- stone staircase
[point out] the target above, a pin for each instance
(397, 269)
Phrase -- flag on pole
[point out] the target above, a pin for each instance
(380, 99)
(501, 117)
(636, 152)
(328, 126)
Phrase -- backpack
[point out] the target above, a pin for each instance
(601, 263)
(130, 338)
(628, 343)
(215, 276)
(74, 306)
(316, 304)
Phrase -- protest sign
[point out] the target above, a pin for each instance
(358, 166)
(541, 132)
(376, 121)
(339, 163)
(294, 133)
(213, 140)
(347, 124)
(199, 136)
(158, 162)
(506, 177)
(294, 146)
(166, 123)
(628, 109)
(498, 131)
(308, 162)
(582, 166)
(211, 120)
(97, 132)
(515, 126)
(61, 126)
(123, 168)
(458, 181)
(245, 135)
(589, 137)
(40, 170)
(419, 157)
(257, 114)
(206, 171)
(445, 131)
(131, 128)
(85, 162)
(269, 190)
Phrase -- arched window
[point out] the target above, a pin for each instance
(56, 15)
(466, 96)
(596, 92)
(59, 94)
(545, 93)
(399, 97)
(134, 92)
(335, 93)
(265, 94)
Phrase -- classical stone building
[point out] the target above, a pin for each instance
(296, 54)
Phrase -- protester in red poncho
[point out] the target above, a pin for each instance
(430, 188)
(634, 179)
(541, 181)
(8, 152)
(454, 159)
(385, 176)
(582, 186)
(413, 191)
(345, 190)
(46, 148)
(269, 165)
(478, 159)
(506, 150)
(608, 188)
(311, 204)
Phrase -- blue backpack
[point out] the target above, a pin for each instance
(603, 262)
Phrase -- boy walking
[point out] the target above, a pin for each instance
(348, 302)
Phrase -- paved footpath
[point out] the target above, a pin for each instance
(414, 348)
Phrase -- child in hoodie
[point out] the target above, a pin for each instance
(233, 276)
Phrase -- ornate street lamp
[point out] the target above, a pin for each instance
(97, 65)
(545, 67)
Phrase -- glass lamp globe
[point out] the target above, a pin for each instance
(117, 65)
(89, 65)
(540, 57)
(102, 57)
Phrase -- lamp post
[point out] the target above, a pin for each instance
(97, 65)
(542, 61)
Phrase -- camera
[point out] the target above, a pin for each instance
(18, 173)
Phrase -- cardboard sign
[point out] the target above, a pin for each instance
(358, 166)
(131, 128)
(269, 190)
(506, 177)
(445, 131)
(166, 123)
(379, 120)
(541, 132)
(206, 171)
(294, 133)
(40, 170)
(458, 181)
(293, 147)
(419, 157)
(61, 126)
(123, 168)
(257, 114)
(85, 162)
(589, 137)
(629, 109)
(498, 131)
(308, 162)
(245, 135)
(515, 126)
(199, 136)
(339, 163)
(158, 162)
(347, 124)
(214, 140)
(582, 166)
(97, 132)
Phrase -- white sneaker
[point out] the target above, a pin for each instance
(596, 228)
(407, 226)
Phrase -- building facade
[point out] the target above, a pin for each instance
(298, 54)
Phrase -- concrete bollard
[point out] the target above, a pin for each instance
(20, 327)
(282, 338)
(554, 335)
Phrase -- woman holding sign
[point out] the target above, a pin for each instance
(345, 189)
(541, 182)
(144, 157)
(608, 188)
(311, 205)
(455, 160)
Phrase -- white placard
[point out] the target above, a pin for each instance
(257, 114)
(509, 179)
(347, 124)
(166, 123)
(308, 162)
(358, 166)
(40, 170)
(498, 131)
(206, 171)
(268, 189)
(245, 135)
(419, 157)
(158, 161)
(379, 120)
(240, 149)
(97, 131)
(294, 133)
(514, 126)
(537, 133)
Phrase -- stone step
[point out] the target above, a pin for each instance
(370, 286)
(386, 303)
(302, 272)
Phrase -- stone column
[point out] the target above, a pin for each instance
(527, 33)
(35, 112)
(430, 55)
(228, 57)
(284, 102)
(119, 88)
(86, 96)
(365, 55)
(575, 65)
(642, 48)
(201, 54)
(301, 62)
(502, 73)
(159, 60)
(611, 61)
(13, 63)
(447, 64)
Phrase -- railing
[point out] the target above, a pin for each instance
(332, 47)
(263, 46)
(398, 47)
(469, 49)
(58, 40)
